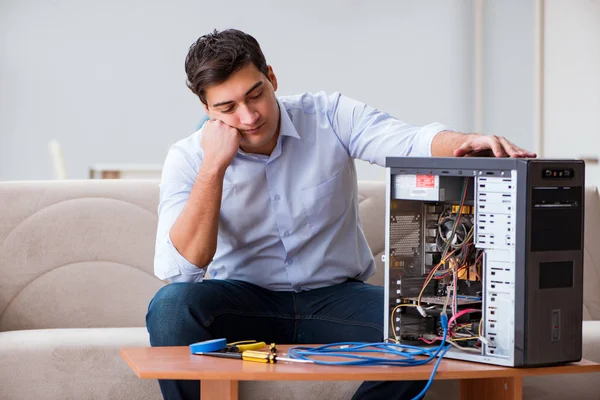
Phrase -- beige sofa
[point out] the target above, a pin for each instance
(76, 278)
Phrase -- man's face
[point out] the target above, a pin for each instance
(246, 101)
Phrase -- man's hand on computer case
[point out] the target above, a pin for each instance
(476, 145)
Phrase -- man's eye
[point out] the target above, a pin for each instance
(227, 110)
(256, 96)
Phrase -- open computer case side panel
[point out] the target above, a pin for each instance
(512, 245)
(431, 236)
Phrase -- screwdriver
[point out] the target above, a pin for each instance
(240, 347)
(255, 356)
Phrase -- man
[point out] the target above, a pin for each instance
(265, 197)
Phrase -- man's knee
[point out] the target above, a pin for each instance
(171, 318)
(169, 298)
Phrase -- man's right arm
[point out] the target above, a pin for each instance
(194, 233)
(190, 203)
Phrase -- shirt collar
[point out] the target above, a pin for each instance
(286, 127)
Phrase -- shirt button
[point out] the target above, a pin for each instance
(286, 233)
(289, 262)
(276, 197)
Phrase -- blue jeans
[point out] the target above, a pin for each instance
(184, 313)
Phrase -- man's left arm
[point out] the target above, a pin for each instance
(371, 135)
(456, 144)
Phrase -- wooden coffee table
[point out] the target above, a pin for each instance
(220, 376)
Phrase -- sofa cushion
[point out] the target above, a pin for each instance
(591, 262)
(77, 253)
(371, 204)
(72, 364)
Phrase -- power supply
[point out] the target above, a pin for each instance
(496, 244)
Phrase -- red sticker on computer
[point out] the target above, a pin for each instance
(426, 181)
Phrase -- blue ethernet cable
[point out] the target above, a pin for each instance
(407, 358)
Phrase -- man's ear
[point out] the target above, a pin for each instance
(272, 77)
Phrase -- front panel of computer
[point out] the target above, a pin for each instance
(452, 231)
(554, 281)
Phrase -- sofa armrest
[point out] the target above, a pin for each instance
(591, 340)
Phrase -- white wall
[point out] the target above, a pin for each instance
(572, 82)
(508, 76)
(106, 79)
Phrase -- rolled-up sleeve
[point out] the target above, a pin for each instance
(177, 179)
(372, 135)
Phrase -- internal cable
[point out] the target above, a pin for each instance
(445, 256)
(392, 317)
(427, 280)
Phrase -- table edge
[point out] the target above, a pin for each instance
(402, 373)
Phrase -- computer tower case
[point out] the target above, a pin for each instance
(494, 243)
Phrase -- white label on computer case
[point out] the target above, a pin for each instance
(417, 181)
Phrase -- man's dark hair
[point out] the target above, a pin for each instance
(217, 55)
